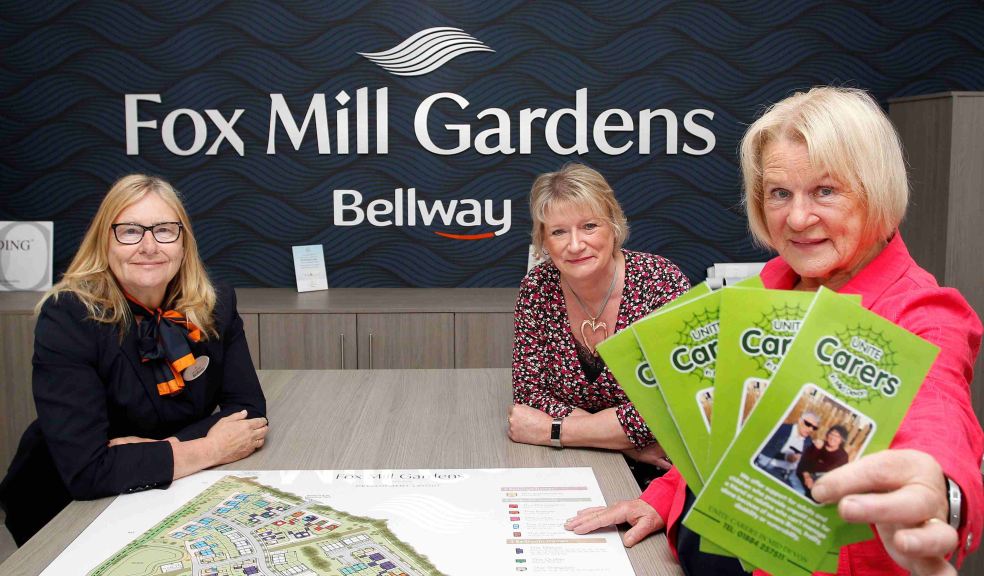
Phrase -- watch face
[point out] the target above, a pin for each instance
(555, 430)
(555, 433)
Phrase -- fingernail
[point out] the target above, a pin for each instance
(906, 542)
(850, 508)
(819, 492)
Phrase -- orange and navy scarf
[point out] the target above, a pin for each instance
(162, 339)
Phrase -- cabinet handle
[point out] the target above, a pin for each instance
(370, 350)
(341, 349)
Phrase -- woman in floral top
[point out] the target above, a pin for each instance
(588, 289)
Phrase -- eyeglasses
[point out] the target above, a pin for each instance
(809, 424)
(131, 233)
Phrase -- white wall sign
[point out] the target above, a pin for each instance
(26, 255)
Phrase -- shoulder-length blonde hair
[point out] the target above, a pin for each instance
(90, 279)
(848, 135)
(576, 185)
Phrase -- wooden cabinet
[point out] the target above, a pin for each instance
(251, 326)
(350, 341)
(414, 340)
(307, 341)
(483, 339)
(380, 328)
(16, 400)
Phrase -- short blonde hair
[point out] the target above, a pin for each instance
(90, 279)
(575, 185)
(848, 135)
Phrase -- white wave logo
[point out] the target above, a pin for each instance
(420, 511)
(426, 51)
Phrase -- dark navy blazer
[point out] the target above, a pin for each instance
(89, 387)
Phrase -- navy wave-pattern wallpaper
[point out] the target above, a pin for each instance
(65, 67)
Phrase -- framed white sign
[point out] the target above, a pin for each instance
(26, 256)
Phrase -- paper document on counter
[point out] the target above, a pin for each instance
(414, 522)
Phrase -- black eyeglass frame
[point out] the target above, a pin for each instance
(145, 230)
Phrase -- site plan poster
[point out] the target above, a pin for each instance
(341, 523)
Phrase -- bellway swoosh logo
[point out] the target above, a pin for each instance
(426, 51)
(481, 236)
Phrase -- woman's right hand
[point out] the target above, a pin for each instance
(641, 516)
(234, 437)
(652, 454)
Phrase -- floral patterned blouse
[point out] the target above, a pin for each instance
(546, 372)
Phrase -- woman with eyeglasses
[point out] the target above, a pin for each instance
(134, 350)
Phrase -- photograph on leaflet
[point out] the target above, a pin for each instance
(705, 399)
(757, 328)
(750, 394)
(816, 435)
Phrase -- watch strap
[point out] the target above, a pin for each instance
(955, 502)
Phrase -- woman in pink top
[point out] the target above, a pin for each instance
(825, 187)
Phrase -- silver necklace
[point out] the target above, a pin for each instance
(592, 321)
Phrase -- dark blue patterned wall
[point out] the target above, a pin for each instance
(66, 67)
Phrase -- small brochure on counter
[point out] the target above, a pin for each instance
(309, 268)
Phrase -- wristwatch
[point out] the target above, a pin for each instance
(955, 500)
(555, 433)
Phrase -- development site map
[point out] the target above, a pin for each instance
(350, 523)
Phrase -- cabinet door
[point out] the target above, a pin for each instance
(16, 398)
(251, 326)
(406, 340)
(307, 341)
(483, 340)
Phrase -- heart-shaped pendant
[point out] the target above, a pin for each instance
(595, 326)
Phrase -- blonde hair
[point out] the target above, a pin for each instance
(90, 279)
(849, 136)
(575, 185)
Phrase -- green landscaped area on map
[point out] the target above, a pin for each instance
(239, 527)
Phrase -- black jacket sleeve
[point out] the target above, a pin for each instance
(240, 387)
(71, 401)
